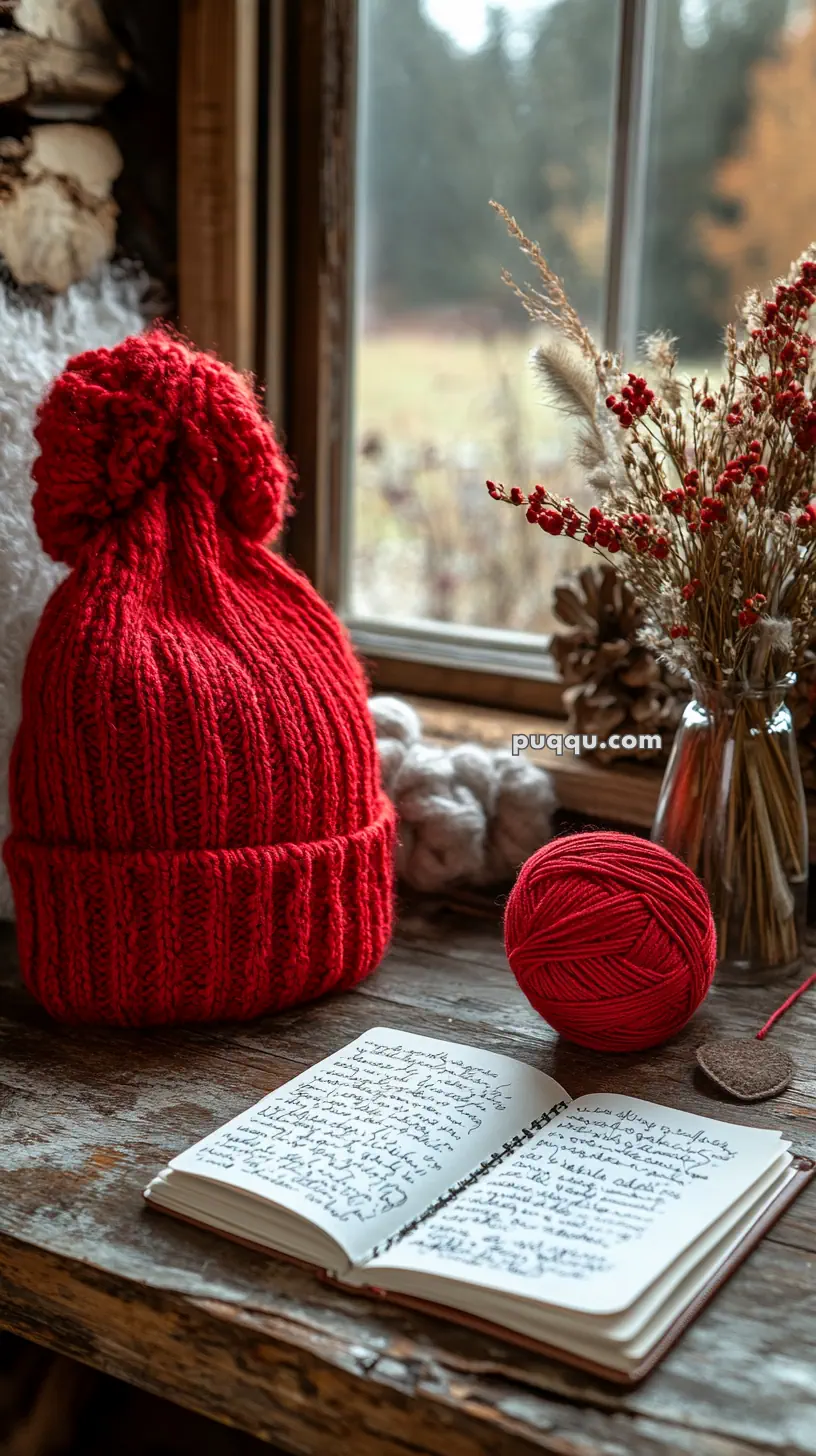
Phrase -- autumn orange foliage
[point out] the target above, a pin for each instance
(772, 179)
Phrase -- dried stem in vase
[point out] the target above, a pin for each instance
(704, 505)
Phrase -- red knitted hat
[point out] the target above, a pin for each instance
(198, 829)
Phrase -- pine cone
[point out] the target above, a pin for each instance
(612, 683)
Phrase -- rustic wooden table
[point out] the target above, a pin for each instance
(88, 1116)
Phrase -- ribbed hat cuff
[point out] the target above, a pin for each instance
(239, 932)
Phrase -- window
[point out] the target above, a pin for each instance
(660, 152)
(458, 104)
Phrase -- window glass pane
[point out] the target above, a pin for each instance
(731, 186)
(462, 101)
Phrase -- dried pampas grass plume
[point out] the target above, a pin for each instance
(570, 387)
(569, 382)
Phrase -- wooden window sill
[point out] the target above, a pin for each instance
(622, 793)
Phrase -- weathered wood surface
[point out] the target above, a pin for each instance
(88, 1116)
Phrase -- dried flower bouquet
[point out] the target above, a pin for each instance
(704, 505)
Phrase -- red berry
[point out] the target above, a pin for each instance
(552, 522)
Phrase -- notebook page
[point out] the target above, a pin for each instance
(592, 1208)
(363, 1142)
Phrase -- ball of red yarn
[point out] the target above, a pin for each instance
(611, 938)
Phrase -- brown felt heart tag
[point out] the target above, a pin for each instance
(747, 1069)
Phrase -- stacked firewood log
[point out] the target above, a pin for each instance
(59, 66)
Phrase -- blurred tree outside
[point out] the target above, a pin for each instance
(449, 129)
(704, 60)
(443, 393)
(769, 186)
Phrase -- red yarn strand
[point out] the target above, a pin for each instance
(786, 1005)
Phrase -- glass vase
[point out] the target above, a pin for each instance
(732, 806)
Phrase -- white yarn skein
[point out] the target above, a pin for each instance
(36, 340)
(467, 815)
(398, 728)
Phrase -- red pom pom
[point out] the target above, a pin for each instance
(611, 939)
(151, 414)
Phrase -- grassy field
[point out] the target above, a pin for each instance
(436, 415)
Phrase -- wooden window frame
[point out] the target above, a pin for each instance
(268, 143)
(218, 202)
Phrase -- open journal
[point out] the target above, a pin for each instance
(471, 1184)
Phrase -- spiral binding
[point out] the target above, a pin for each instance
(470, 1178)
